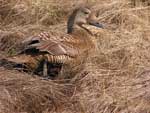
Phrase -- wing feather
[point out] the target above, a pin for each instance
(51, 45)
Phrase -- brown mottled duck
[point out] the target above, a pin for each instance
(61, 56)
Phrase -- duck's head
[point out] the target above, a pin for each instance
(82, 16)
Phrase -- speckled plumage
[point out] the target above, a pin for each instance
(70, 49)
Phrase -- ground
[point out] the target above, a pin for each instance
(115, 80)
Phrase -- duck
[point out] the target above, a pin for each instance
(60, 56)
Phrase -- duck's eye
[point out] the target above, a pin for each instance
(86, 13)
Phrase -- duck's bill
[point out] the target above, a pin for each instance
(96, 24)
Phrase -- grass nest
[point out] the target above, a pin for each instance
(116, 78)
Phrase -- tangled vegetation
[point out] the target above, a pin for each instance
(115, 80)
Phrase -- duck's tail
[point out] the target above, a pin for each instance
(15, 61)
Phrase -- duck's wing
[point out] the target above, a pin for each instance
(54, 45)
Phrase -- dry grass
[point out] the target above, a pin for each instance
(24, 93)
(118, 78)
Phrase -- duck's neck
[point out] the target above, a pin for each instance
(71, 22)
